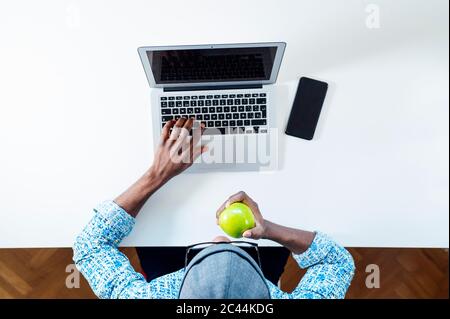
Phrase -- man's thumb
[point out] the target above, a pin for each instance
(247, 234)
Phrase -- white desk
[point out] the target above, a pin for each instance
(74, 119)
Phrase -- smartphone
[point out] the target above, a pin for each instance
(306, 109)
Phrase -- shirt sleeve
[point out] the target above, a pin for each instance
(330, 271)
(96, 255)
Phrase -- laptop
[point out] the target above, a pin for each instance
(228, 88)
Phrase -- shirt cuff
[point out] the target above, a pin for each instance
(316, 253)
(115, 219)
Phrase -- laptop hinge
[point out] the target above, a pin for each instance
(215, 87)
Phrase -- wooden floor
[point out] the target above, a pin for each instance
(404, 273)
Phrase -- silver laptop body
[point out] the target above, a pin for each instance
(228, 88)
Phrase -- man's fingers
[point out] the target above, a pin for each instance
(238, 197)
(177, 129)
(188, 124)
(166, 130)
(197, 133)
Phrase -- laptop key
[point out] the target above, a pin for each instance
(199, 117)
(255, 108)
(217, 123)
(235, 116)
(163, 98)
(245, 101)
(163, 104)
(261, 101)
(217, 96)
(212, 109)
(250, 115)
(256, 129)
(257, 115)
(247, 122)
(171, 98)
(240, 95)
(241, 109)
(206, 117)
(204, 110)
(201, 97)
(179, 97)
(190, 110)
(201, 103)
(166, 111)
(208, 103)
(228, 116)
(224, 123)
(193, 103)
(221, 116)
(215, 102)
(210, 123)
(214, 116)
(219, 109)
(262, 95)
(171, 104)
(229, 102)
(167, 118)
(251, 101)
(197, 110)
(259, 122)
(232, 123)
(175, 111)
(240, 122)
(263, 114)
(234, 109)
(223, 102)
(248, 95)
(179, 103)
(248, 108)
(183, 111)
(237, 102)
(243, 115)
(226, 109)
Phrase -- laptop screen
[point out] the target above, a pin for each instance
(212, 64)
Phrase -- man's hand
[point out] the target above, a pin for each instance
(296, 240)
(259, 231)
(177, 150)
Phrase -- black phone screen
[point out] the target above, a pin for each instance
(306, 108)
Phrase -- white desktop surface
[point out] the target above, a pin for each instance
(75, 119)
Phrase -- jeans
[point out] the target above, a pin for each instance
(160, 261)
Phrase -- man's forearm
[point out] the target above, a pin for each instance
(135, 197)
(296, 240)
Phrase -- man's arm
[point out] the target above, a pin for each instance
(96, 253)
(330, 266)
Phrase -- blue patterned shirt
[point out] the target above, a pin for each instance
(110, 274)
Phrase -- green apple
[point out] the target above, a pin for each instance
(236, 219)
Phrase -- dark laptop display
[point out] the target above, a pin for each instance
(212, 65)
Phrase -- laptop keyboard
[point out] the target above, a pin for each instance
(226, 113)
